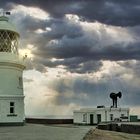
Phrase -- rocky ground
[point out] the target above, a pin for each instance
(96, 134)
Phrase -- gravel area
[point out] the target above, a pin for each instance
(96, 134)
(44, 132)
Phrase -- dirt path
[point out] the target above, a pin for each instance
(96, 134)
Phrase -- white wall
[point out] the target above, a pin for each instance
(9, 81)
(78, 117)
(5, 110)
(116, 113)
(105, 114)
(11, 88)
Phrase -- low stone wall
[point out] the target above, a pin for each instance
(104, 126)
(128, 128)
(12, 124)
(49, 121)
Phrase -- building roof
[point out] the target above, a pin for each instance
(6, 25)
(100, 109)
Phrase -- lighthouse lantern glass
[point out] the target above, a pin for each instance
(8, 41)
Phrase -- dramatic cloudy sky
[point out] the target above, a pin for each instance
(79, 51)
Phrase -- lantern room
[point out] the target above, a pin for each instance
(8, 36)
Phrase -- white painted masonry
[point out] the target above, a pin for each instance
(11, 70)
(97, 115)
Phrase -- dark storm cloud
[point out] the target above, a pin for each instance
(61, 28)
(133, 66)
(74, 65)
(114, 52)
(81, 47)
(27, 25)
(78, 48)
(86, 92)
(120, 12)
(70, 41)
(84, 67)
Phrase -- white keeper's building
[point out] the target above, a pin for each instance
(103, 114)
(11, 69)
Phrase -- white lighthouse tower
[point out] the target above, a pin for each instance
(11, 70)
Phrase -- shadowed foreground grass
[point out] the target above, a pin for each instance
(96, 134)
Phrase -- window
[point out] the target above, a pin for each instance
(20, 82)
(111, 117)
(11, 110)
(11, 103)
(12, 107)
(122, 115)
(84, 117)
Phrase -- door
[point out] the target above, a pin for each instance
(91, 119)
(98, 118)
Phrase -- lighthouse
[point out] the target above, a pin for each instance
(11, 71)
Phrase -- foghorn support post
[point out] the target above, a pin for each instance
(114, 97)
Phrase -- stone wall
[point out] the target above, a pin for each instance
(49, 121)
(128, 128)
